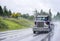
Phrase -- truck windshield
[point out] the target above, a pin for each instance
(42, 18)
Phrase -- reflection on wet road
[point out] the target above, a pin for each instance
(56, 36)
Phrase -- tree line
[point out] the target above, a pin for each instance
(8, 13)
(57, 16)
(4, 11)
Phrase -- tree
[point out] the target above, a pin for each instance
(1, 11)
(16, 15)
(5, 11)
(25, 16)
(57, 17)
(31, 17)
(58, 13)
(19, 14)
(12, 15)
(9, 13)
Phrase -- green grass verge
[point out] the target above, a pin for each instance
(13, 24)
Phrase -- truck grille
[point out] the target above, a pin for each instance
(40, 24)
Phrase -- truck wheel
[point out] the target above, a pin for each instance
(34, 32)
(46, 31)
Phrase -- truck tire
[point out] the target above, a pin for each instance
(34, 32)
(46, 31)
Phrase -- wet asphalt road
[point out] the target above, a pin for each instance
(21, 35)
(56, 36)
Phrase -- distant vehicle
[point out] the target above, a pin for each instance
(42, 23)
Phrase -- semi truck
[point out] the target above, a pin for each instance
(42, 23)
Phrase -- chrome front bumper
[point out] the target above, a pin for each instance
(40, 29)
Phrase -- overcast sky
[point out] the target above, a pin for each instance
(28, 6)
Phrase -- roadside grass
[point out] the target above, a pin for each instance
(14, 24)
(3, 26)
